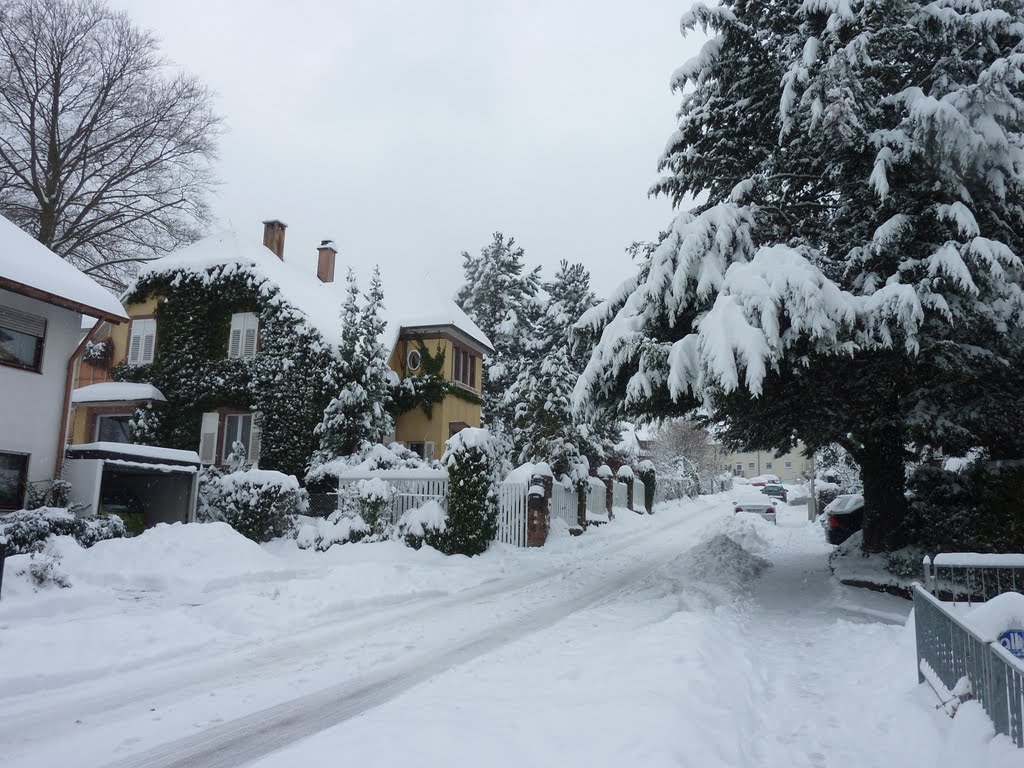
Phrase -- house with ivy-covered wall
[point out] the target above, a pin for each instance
(230, 342)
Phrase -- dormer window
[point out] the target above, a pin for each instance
(244, 332)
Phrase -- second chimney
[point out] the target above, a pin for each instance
(273, 236)
(326, 255)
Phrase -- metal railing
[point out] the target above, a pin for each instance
(949, 651)
(973, 578)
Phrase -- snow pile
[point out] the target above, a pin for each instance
(166, 558)
(525, 472)
(258, 478)
(722, 561)
(751, 532)
(991, 619)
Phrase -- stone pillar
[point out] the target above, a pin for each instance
(581, 504)
(538, 514)
(629, 493)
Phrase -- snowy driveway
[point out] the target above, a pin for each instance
(658, 641)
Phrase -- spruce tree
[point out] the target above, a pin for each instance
(357, 417)
(498, 297)
(856, 259)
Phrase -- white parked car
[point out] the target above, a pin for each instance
(765, 508)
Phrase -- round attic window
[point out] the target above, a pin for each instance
(413, 360)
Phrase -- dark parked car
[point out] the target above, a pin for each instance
(844, 517)
(776, 491)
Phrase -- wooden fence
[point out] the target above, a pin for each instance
(512, 514)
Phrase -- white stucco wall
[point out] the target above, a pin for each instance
(31, 403)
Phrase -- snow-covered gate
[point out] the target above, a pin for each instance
(597, 500)
(619, 497)
(512, 514)
(639, 495)
(949, 651)
(565, 505)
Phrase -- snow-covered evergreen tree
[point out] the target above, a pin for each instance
(857, 259)
(357, 418)
(498, 296)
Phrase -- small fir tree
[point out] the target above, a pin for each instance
(472, 459)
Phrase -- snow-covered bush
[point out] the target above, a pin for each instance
(370, 500)
(27, 531)
(45, 569)
(321, 535)
(645, 471)
(473, 462)
(976, 509)
(258, 503)
(424, 525)
(49, 493)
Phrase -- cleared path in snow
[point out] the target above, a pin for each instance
(262, 700)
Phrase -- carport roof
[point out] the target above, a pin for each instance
(134, 453)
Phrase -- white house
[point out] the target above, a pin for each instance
(42, 300)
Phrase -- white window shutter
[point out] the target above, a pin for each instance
(251, 327)
(148, 341)
(235, 338)
(255, 439)
(208, 437)
(135, 343)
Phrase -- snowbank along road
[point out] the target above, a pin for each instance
(693, 638)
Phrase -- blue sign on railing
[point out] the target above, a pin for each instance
(1013, 641)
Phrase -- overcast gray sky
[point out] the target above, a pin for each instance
(410, 131)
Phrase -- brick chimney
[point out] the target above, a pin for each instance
(273, 236)
(326, 255)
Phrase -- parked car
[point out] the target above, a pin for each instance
(776, 491)
(765, 510)
(843, 517)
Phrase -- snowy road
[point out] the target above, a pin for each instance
(658, 643)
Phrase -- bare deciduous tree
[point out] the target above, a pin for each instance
(685, 461)
(105, 151)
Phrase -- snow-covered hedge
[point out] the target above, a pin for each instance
(27, 531)
(645, 471)
(258, 503)
(473, 460)
(321, 534)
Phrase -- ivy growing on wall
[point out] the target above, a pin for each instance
(289, 382)
(286, 383)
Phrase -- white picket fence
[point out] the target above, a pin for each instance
(512, 514)
(412, 489)
(564, 505)
(597, 504)
(619, 497)
(639, 494)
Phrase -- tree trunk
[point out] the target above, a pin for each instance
(885, 505)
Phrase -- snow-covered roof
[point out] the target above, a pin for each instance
(412, 299)
(30, 268)
(140, 451)
(116, 392)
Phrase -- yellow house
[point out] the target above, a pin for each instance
(420, 318)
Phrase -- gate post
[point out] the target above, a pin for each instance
(581, 503)
(605, 475)
(538, 513)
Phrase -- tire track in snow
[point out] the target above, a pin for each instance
(247, 738)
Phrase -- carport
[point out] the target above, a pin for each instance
(160, 481)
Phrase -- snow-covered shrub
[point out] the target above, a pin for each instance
(210, 496)
(44, 569)
(48, 493)
(373, 497)
(258, 503)
(976, 509)
(27, 531)
(473, 462)
(646, 473)
(321, 535)
(424, 525)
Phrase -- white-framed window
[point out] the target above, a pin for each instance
(13, 479)
(463, 366)
(750, 465)
(218, 433)
(244, 333)
(423, 448)
(767, 465)
(789, 465)
(21, 339)
(113, 428)
(739, 467)
(142, 341)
